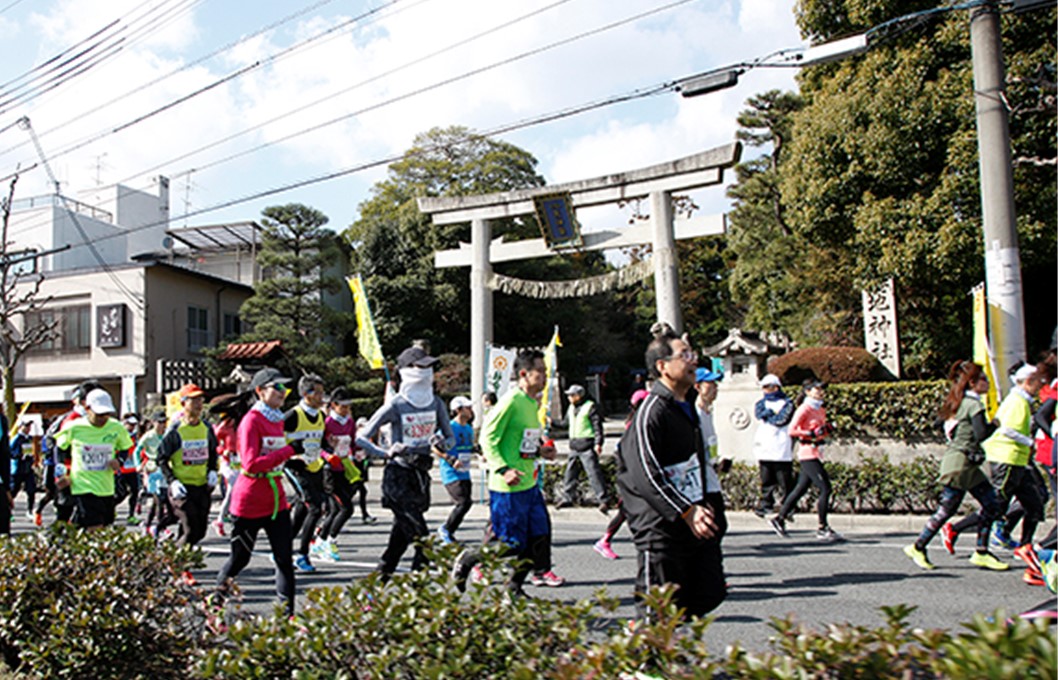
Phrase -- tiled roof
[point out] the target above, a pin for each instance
(250, 350)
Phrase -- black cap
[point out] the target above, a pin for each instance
(267, 376)
(159, 416)
(810, 383)
(84, 388)
(415, 356)
(341, 395)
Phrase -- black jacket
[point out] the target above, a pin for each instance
(662, 434)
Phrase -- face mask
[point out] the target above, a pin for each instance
(340, 419)
(416, 385)
(274, 415)
(814, 403)
(309, 411)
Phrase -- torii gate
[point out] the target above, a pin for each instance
(657, 181)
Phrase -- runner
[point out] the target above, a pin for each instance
(455, 467)
(88, 448)
(128, 477)
(225, 431)
(965, 427)
(771, 444)
(363, 464)
(23, 476)
(339, 474)
(258, 500)
(420, 431)
(160, 514)
(305, 423)
(61, 495)
(187, 458)
(511, 443)
(809, 427)
(604, 546)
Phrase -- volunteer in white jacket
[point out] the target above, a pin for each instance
(772, 444)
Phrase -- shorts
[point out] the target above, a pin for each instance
(93, 511)
(519, 516)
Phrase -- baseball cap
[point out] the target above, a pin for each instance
(267, 376)
(130, 418)
(771, 380)
(159, 416)
(459, 402)
(575, 389)
(705, 375)
(415, 356)
(99, 401)
(190, 391)
(809, 384)
(1023, 373)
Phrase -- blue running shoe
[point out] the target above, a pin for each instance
(302, 564)
(1000, 538)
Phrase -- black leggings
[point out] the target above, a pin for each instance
(812, 472)
(339, 506)
(409, 526)
(950, 500)
(280, 538)
(192, 511)
(308, 509)
(1012, 481)
(459, 491)
(49, 487)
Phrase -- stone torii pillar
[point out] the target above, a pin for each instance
(656, 181)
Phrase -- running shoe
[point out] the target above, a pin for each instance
(547, 578)
(779, 527)
(302, 564)
(446, 536)
(215, 609)
(948, 535)
(332, 552)
(133, 521)
(1000, 538)
(29, 515)
(918, 557)
(987, 560)
(760, 512)
(188, 578)
(602, 546)
(461, 568)
(38, 519)
(828, 534)
(1033, 578)
(369, 519)
(317, 548)
(1028, 555)
(218, 527)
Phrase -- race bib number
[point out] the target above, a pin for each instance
(343, 444)
(196, 452)
(687, 478)
(312, 450)
(96, 457)
(464, 460)
(530, 442)
(270, 444)
(417, 428)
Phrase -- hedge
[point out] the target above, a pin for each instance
(905, 411)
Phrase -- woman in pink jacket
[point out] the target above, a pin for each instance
(809, 429)
(257, 497)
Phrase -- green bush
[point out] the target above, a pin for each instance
(98, 604)
(906, 411)
(829, 364)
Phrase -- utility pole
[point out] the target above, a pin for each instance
(1002, 261)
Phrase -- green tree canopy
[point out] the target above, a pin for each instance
(297, 256)
(879, 179)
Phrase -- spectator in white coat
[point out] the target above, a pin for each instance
(772, 445)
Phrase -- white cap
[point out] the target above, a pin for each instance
(99, 401)
(460, 402)
(770, 379)
(1023, 373)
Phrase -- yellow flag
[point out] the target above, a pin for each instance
(370, 349)
(983, 350)
(551, 364)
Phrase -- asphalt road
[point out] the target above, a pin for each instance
(768, 576)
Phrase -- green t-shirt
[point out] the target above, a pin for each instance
(511, 439)
(91, 450)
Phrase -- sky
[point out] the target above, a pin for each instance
(389, 69)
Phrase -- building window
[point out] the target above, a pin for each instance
(73, 326)
(197, 329)
(232, 326)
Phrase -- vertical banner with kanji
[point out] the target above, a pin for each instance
(879, 326)
(983, 349)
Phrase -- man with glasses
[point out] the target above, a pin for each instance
(677, 523)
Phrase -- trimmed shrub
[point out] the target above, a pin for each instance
(829, 364)
(96, 604)
(906, 411)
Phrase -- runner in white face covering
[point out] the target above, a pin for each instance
(420, 430)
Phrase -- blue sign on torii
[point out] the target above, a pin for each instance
(557, 221)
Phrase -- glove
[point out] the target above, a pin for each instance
(298, 446)
(177, 490)
(211, 478)
(397, 449)
(437, 440)
(975, 457)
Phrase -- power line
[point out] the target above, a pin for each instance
(348, 89)
(9, 6)
(268, 60)
(437, 85)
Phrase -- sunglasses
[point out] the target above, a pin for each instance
(282, 387)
